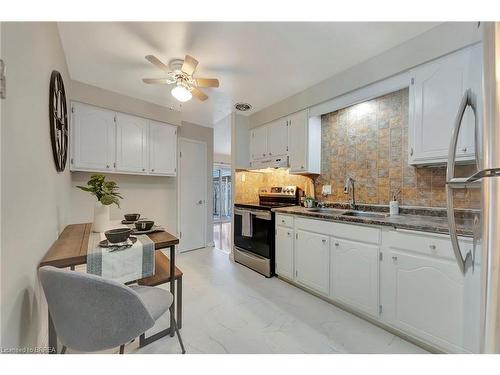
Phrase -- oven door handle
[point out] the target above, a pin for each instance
(264, 215)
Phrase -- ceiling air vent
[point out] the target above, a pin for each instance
(243, 107)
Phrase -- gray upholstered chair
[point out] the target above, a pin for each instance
(91, 313)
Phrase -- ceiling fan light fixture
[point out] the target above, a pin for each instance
(181, 93)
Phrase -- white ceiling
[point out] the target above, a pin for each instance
(258, 63)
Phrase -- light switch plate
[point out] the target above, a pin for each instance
(326, 189)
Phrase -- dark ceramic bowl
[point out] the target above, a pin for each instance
(143, 225)
(118, 235)
(132, 217)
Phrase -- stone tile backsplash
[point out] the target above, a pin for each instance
(368, 141)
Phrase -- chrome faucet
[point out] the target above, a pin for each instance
(348, 187)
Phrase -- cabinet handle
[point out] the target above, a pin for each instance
(270, 153)
(411, 151)
(152, 170)
(337, 244)
(263, 154)
(143, 169)
(107, 166)
(464, 149)
(283, 221)
(114, 165)
(432, 247)
(394, 259)
(324, 241)
(301, 167)
(288, 233)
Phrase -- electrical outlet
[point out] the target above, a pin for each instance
(326, 190)
(243, 177)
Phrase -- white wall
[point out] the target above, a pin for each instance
(222, 136)
(436, 42)
(35, 198)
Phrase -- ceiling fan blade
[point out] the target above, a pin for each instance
(199, 94)
(161, 81)
(189, 65)
(156, 62)
(207, 82)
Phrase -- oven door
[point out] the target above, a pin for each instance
(262, 240)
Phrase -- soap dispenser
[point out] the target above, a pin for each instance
(394, 205)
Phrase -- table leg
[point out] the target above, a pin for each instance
(172, 289)
(52, 337)
(179, 303)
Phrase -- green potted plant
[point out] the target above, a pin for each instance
(107, 194)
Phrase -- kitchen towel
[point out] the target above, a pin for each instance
(246, 224)
(123, 265)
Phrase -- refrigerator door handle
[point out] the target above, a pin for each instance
(468, 100)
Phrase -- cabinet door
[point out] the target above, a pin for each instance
(312, 261)
(258, 143)
(92, 138)
(298, 140)
(163, 149)
(425, 297)
(435, 94)
(131, 143)
(354, 275)
(284, 252)
(277, 138)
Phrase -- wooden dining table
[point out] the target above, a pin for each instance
(70, 250)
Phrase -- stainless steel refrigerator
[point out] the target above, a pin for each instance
(481, 264)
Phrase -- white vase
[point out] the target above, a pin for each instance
(101, 218)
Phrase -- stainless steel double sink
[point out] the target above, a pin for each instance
(350, 213)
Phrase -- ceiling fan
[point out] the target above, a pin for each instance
(180, 72)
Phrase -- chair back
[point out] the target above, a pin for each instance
(91, 313)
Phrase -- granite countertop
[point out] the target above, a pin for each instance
(419, 219)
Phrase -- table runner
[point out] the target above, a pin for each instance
(123, 265)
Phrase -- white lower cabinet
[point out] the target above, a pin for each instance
(404, 279)
(355, 274)
(312, 261)
(284, 252)
(424, 293)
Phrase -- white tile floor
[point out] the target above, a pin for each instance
(231, 309)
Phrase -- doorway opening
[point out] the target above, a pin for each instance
(222, 206)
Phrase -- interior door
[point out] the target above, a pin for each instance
(163, 149)
(192, 194)
(131, 143)
(92, 138)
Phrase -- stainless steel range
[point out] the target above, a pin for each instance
(254, 227)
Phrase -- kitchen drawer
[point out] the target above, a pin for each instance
(357, 232)
(284, 221)
(438, 245)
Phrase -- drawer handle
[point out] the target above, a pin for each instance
(337, 244)
(324, 241)
(283, 221)
(432, 247)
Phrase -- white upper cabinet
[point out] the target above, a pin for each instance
(304, 137)
(258, 143)
(355, 273)
(163, 149)
(436, 90)
(108, 141)
(92, 136)
(277, 137)
(131, 143)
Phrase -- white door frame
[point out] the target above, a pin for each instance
(179, 174)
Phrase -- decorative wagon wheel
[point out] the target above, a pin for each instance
(58, 116)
